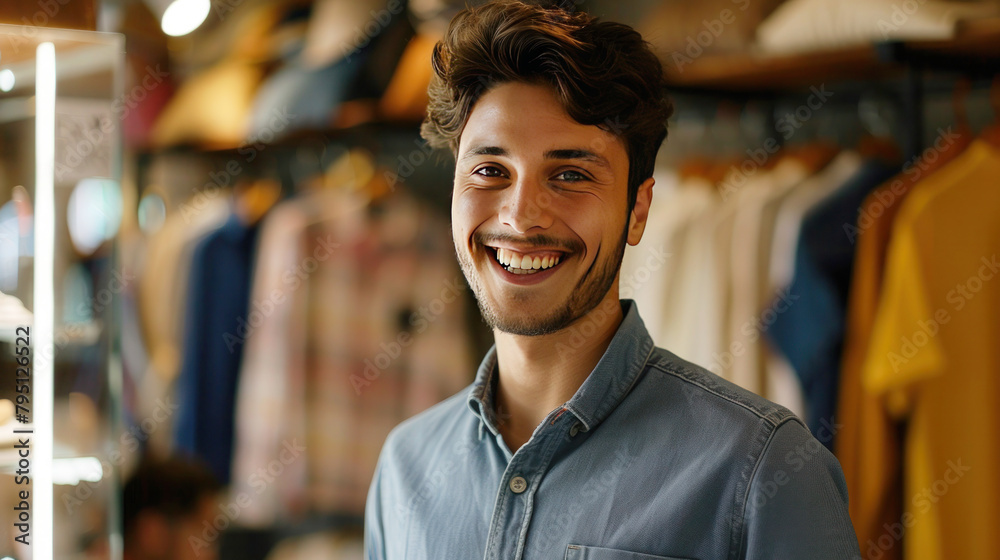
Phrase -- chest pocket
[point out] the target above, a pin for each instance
(579, 552)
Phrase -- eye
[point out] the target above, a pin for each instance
(571, 176)
(488, 171)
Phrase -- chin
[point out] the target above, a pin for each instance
(511, 316)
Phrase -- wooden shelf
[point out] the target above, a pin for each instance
(976, 49)
(759, 73)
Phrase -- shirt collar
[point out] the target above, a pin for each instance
(613, 377)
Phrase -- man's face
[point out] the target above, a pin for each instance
(156, 537)
(548, 197)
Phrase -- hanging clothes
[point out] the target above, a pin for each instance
(867, 443)
(365, 328)
(810, 332)
(933, 357)
(217, 312)
(162, 296)
(163, 282)
(782, 384)
(747, 320)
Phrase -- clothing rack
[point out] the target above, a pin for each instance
(901, 70)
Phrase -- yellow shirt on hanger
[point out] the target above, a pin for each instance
(934, 357)
(867, 443)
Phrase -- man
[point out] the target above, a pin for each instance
(169, 510)
(579, 439)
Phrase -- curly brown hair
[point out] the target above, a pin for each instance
(603, 74)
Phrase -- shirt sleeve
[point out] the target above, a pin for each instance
(374, 539)
(904, 349)
(797, 502)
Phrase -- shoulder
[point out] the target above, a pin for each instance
(714, 395)
(426, 434)
(709, 413)
(784, 472)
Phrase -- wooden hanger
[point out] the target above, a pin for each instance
(252, 199)
(876, 141)
(879, 147)
(815, 155)
(933, 158)
(694, 167)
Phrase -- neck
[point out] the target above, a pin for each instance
(538, 374)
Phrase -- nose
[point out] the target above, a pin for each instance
(526, 205)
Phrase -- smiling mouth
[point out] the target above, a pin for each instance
(525, 263)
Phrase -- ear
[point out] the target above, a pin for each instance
(640, 212)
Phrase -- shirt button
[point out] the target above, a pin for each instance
(518, 484)
(575, 429)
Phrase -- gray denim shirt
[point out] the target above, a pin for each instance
(653, 457)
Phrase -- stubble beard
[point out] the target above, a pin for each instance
(588, 293)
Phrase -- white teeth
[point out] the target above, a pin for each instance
(524, 264)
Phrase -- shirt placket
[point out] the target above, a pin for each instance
(515, 497)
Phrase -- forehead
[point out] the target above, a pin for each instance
(528, 119)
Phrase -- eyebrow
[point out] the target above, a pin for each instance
(570, 153)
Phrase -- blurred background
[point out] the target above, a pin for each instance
(243, 248)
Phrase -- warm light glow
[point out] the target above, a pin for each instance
(43, 329)
(94, 213)
(184, 16)
(6, 80)
(73, 471)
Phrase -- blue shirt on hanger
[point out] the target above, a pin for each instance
(810, 334)
(218, 301)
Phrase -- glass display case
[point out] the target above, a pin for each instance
(60, 375)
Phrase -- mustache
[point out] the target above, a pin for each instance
(540, 241)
